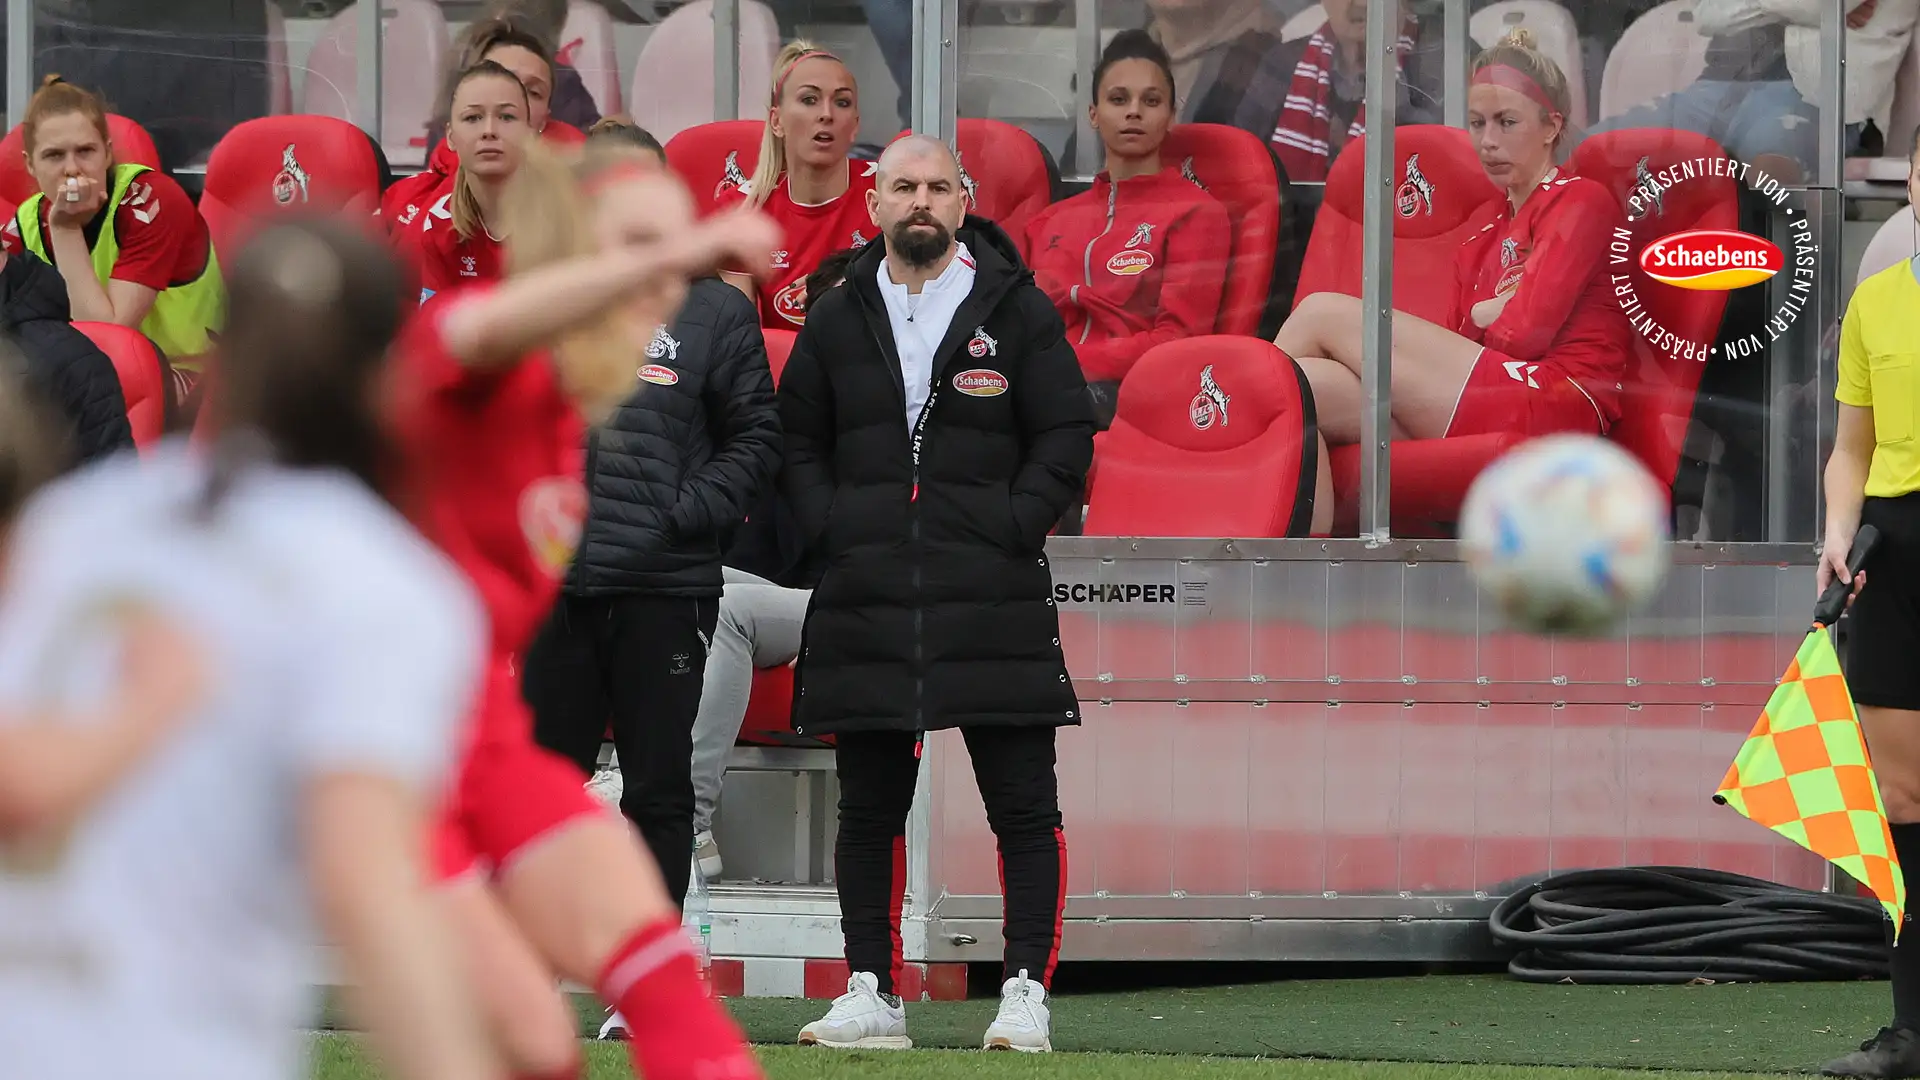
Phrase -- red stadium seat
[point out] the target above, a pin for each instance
(1209, 439)
(779, 347)
(289, 163)
(1008, 174)
(1445, 186)
(131, 146)
(714, 158)
(143, 376)
(1238, 169)
(1656, 406)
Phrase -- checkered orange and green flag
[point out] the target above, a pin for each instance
(1804, 771)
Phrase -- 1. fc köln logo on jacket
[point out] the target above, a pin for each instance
(552, 514)
(1134, 258)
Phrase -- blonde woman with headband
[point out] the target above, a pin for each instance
(804, 180)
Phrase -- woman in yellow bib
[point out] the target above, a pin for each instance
(128, 241)
(1873, 477)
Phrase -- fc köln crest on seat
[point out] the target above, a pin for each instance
(1210, 404)
(291, 180)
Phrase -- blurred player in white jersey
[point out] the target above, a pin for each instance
(178, 902)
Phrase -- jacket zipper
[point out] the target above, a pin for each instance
(919, 590)
(1086, 257)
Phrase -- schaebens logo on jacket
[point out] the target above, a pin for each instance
(662, 347)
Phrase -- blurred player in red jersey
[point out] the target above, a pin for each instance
(457, 240)
(540, 878)
(1540, 344)
(519, 51)
(805, 181)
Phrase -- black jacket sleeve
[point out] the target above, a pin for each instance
(807, 423)
(75, 377)
(1055, 415)
(745, 420)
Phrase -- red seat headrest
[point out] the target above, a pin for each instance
(1207, 394)
(1238, 169)
(143, 378)
(280, 164)
(1440, 192)
(1438, 181)
(714, 158)
(1209, 439)
(131, 146)
(1007, 173)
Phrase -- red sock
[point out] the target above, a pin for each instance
(676, 1030)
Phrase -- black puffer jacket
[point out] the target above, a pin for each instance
(672, 472)
(935, 608)
(64, 367)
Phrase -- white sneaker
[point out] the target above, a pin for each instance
(706, 852)
(607, 786)
(615, 1028)
(1023, 1023)
(862, 1018)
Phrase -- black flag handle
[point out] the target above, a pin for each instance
(1834, 601)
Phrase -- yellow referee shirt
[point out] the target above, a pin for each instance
(1880, 370)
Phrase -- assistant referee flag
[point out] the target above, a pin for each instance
(1805, 772)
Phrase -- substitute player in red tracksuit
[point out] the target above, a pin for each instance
(540, 879)
(1539, 344)
(457, 240)
(1141, 257)
(804, 180)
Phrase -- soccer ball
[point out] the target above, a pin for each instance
(1566, 533)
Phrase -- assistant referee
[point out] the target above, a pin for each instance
(1873, 477)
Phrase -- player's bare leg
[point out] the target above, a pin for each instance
(530, 1021)
(590, 899)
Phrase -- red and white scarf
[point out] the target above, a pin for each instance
(1300, 136)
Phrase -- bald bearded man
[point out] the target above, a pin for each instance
(937, 426)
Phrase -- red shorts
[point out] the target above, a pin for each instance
(509, 792)
(1531, 399)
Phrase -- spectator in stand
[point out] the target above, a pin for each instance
(762, 607)
(1307, 96)
(520, 52)
(1747, 99)
(1141, 257)
(804, 179)
(671, 473)
(62, 366)
(1199, 34)
(130, 245)
(937, 426)
(452, 243)
(568, 100)
(1540, 343)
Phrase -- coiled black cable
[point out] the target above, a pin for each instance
(1665, 924)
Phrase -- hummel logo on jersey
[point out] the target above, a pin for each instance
(1521, 371)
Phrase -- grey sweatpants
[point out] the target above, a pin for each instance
(759, 627)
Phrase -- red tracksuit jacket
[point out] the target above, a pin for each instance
(1130, 265)
(1553, 254)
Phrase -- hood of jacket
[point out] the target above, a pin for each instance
(32, 291)
(997, 263)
